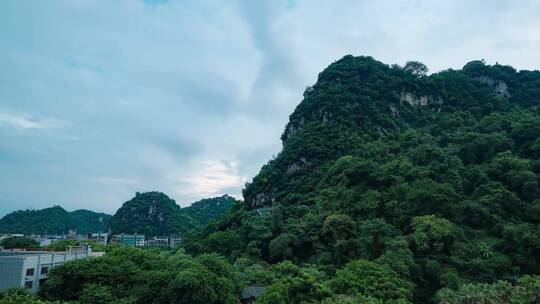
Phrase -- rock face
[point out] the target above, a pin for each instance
(499, 87)
(423, 100)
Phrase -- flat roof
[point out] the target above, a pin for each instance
(4, 254)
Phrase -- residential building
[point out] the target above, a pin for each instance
(129, 240)
(175, 241)
(158, 241)
(30, 269)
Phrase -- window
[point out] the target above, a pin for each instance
(28, 284)
(44, 270)
(42, 282)
(29, 272)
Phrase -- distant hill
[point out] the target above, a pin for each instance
(88, 221)
(53, 220)
(208, 209)
(154, 213)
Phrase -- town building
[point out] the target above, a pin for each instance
(30, 269)
(158, 241)
(175, 241)
(99, 238)
(129, 240)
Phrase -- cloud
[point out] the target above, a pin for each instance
(210, 179)
(22, 122)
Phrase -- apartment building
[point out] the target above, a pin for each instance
(129, 240)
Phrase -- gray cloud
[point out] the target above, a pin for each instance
(100, 99)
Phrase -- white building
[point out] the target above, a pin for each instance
(30, 269)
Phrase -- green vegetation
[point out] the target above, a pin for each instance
(155, 214)
(54, 220)
(129, 275)
(88, 221)
(18, 242)
(20, 296)
(209, 209)
(392, 187)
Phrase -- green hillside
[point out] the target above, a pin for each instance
(209, 209)
(54, 220)
(396, 184)
(155, 214)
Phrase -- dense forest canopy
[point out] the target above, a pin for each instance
(393, 186)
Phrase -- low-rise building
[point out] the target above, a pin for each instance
(175, 241)
(30, 269)
(129, 240)
(100, 238)
(158, 241)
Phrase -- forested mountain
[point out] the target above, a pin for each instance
(396, 185)
(54, 220)
(155, 214)
(209, 209)
(88, 221)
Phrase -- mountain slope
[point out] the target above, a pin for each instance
(150, 213)
(54, 220)
(208, 209)
(435, 177)
(155, 214)
(88, 221)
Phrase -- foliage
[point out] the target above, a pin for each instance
(20, 296)
(140, 276)
(18, 242)
(371, 279)
(527, 290)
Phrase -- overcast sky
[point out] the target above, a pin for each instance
(100, 99)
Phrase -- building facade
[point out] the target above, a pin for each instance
(129, 240)
(30, 269)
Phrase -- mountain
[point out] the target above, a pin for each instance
(208, 209)
(397, 185)
(155, 214)
(54, 220)
(88, 221)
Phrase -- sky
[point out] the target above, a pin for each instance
(100, 99)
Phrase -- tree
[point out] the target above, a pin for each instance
(294, 285)
(416, 68)
(280, 247)
(18, 242)
(371, 279)
(432, 234)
